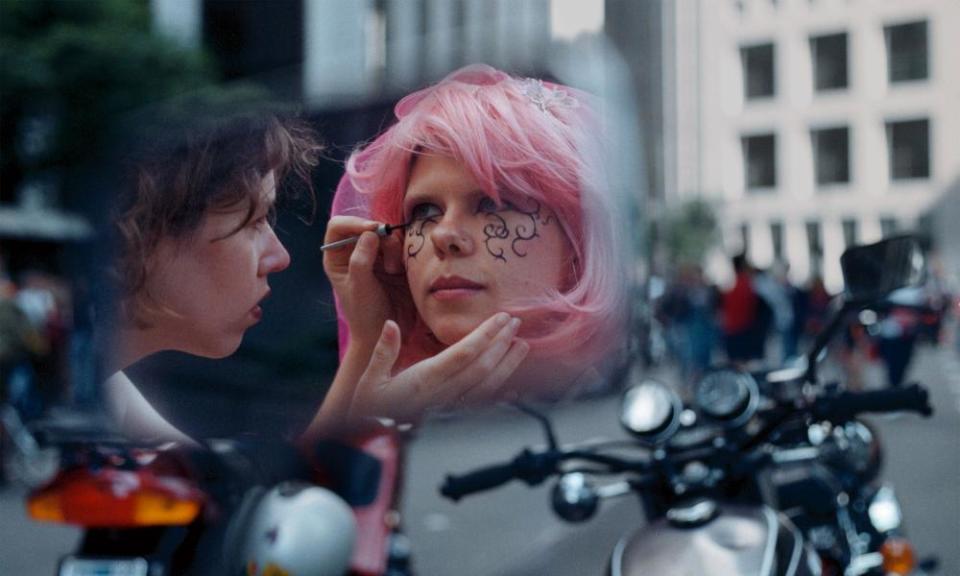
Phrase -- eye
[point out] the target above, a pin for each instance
(488, 206)
(268, 218)
(424, 211)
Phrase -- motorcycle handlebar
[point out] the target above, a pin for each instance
(913, 398)
(456, 487)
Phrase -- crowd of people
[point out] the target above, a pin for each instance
(765, 318)
(40, 357)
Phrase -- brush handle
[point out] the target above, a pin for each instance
(382, 230)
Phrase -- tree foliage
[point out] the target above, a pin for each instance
(689, 231)
(69, 67)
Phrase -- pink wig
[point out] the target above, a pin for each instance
(533, 138)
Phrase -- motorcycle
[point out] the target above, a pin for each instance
(242, 506)
(726, 479)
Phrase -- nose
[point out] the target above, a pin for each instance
(451, 237)
(275, 257)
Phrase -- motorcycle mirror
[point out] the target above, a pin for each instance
(574, 497)
(872, 271)
(650, 411)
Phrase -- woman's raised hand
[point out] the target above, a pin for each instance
(359, 273)
(471, 372)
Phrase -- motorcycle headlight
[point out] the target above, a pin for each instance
(651, 411)
(860, 451)
(884, 510)
(728, 396)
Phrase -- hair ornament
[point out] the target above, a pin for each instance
(545, 96)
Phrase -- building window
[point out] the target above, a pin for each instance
(776, 236)
(814, 241)
(815, 246)
(831, 155)
(758, 71)
(849, 232)
(760, 161)
(907, 52)
(908, 144)
(924, 229)
(888, 226)
(829, 55)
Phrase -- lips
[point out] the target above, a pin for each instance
(257, 311)
(445, 283)
(454, 289)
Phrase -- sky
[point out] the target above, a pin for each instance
(570, 18)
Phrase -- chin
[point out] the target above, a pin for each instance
(451, 332)
(220, 349)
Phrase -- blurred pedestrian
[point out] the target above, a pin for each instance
(773, 289)
(818, 307)
(673, 311)
(740, 321)
(897, 334)
(800, 302)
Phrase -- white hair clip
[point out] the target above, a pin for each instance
(545, 97)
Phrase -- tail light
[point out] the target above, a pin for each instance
(898, 556)
(116, 498)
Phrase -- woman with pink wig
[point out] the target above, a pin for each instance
(499, 276)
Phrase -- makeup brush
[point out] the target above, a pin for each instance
(382, 230)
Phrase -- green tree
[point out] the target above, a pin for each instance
(689, 231)
(68, 68)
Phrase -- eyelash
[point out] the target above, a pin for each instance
(267, 219)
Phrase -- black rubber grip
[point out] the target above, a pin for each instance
(456, 487)
(913, 398)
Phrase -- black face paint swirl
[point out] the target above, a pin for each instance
(525, 231)
(416, 237)
(496, 230)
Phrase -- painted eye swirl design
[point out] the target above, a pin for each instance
(526, 230)
(416, 236)
(496, 230)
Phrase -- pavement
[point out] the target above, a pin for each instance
(512, 532)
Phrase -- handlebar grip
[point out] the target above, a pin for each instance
(456, 487)
(913, 398)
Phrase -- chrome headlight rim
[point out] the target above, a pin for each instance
(745, 408)
(664, 429)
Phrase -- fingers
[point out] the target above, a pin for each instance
(340, 227)
(392, 247)
(385, 354)
(364, 254)
(336, 261)
(448, 363)
(492, 389)
(473, 378)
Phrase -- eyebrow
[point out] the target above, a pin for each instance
(430, 195)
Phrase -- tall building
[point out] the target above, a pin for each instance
(812, 124)
(335, 53)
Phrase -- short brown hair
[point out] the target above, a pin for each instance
(182, 166)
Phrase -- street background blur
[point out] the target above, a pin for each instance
(785, 130)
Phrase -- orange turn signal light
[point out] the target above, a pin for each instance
(898, 556)
(116, 498)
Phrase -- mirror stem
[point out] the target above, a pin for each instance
(827, 334)
(544, 421)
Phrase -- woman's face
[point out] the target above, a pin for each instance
(209, 286)
(467, 258)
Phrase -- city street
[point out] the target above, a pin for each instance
(512, 531)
